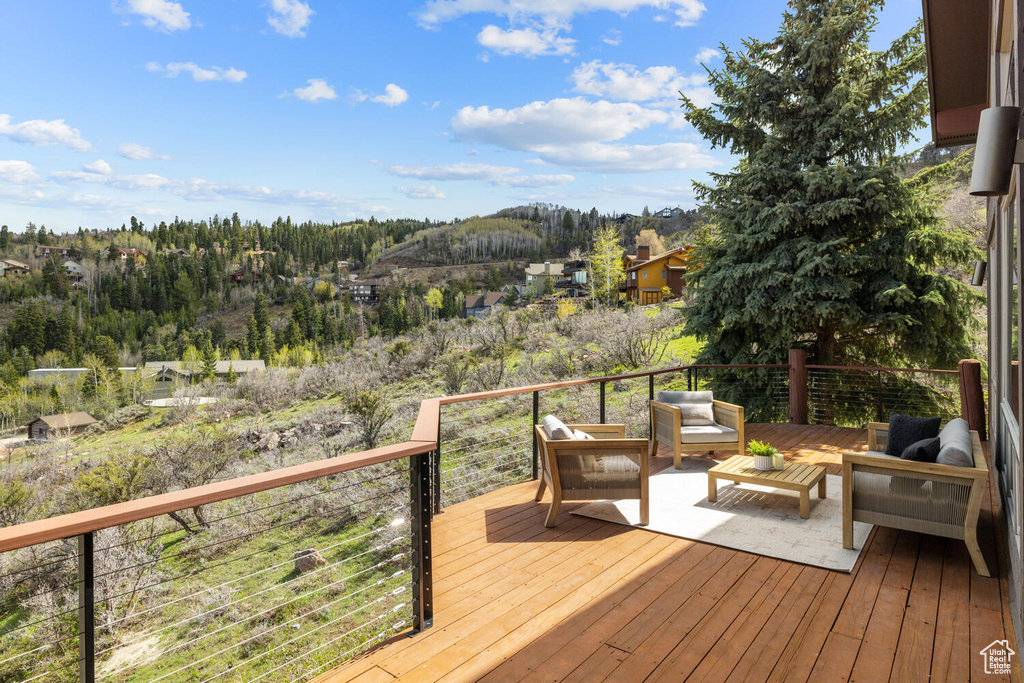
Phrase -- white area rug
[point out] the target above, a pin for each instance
(754, 519)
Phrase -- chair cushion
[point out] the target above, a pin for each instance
(579, 434)
(905, 430)
(696, 414)
(925, 450)
(708, 434)
(955, 444)
(677, 397)
(556, 429)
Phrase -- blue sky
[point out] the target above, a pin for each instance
(335, 110)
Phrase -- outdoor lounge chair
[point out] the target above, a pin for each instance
(608, 466)
(692, 432)
(926, 497)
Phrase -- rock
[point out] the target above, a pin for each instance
(307, 560)
(268, 441)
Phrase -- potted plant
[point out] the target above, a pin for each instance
(764, 454)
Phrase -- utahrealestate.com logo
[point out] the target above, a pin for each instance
(997, 657)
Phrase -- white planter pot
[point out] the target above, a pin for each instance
(762, 462)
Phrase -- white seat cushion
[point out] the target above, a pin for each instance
(708, 434)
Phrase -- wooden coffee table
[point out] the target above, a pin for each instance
(740, 469)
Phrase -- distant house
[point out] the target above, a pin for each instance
(478, 305)
(170, 370)
(520, 290)
(68, 424)
(669, 213)
(574, 281)
(75, 271)
(538, 273)
(136, 255)
(46, 251)
(366, 291)
(12, 267)
(647, 277)
(625, 218)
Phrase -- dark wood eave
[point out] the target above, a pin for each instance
(957, 45)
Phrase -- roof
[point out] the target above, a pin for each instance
(957, 48)
(66, 420)
(15, 264)
(539, 268)
(487, 300)
(221, 367)
(678, 251)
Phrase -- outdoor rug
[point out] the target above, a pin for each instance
(754, 519)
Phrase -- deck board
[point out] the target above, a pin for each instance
(588, 601)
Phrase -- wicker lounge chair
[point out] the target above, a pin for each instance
(609, 466)
(927, 497)
(667, 425)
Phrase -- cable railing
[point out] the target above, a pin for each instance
(127, 593)
(850, 397)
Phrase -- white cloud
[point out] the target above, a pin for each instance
(602, 158)
(498, 176)
(290, 17)
(528, 42)
(316, 90)
(613, 37)
(706, 54)
(461, 171)
(214, 73)
(43, 133)
(421, 192)
(559, 121)
(137, 152)
(160, 14)
(436, 12)
(627, 82)
(19, 172)
(392, 97)
(99, 166)
(554, 180)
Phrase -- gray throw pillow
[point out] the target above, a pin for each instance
(957, 447)
(696, 414)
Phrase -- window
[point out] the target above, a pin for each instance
(644, 274)
(664, 274)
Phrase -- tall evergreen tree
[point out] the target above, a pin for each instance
(824, 244)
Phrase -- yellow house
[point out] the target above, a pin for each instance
(646, 277)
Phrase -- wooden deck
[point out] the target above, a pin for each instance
(590, 601)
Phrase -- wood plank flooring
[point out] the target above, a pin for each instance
(591, 601)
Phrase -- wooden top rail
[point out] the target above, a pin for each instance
(66, 526)
(868, 369)
(498, 393)
(424, 439)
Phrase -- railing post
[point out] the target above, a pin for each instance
(436, 457)
(972, 398)
(536, 420)
(798, 386)
(422, 578)
(880, 415)
(650, 397)
(689, 379)
(86, 610)
(602, 402)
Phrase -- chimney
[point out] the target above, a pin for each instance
(547, 267)
(643, 253)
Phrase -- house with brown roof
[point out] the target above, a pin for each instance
(56, 426)
(478, 305)
(646, 277)
(11, 267)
